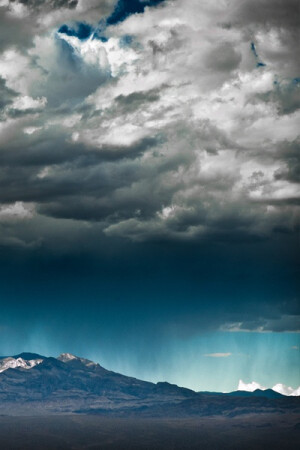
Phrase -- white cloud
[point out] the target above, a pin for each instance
(218, 355)
(26, 102)
(250, 387)
(17, 210)
(286, 390)
(279, 387)
(31, 130)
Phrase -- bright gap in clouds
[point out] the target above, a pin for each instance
(124, 8)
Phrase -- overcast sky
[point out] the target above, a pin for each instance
(149, 170)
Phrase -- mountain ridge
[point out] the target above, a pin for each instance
(70, 384)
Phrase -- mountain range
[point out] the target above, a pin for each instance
(32, 384)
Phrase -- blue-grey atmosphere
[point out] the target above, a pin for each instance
(149, 187)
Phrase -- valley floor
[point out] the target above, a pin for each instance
(76, 432)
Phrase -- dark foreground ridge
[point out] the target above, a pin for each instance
(72, 385)
(56, 432)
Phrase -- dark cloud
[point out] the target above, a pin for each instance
(276, 18)
(289, 153)
(49, 4)
(223, 58)
(278, 13)
(13, 31)
(6, 95)
(166, 132)
(135, 100)
(285, 95)
(22, 20)
(19, 26)
(285, 323)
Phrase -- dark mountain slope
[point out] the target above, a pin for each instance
(267, 393)
(69, 384)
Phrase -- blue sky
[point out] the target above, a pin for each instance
(154, 312)
(149, 187)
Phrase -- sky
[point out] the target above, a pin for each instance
(149, 187)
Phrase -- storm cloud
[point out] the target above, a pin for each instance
(168, 122)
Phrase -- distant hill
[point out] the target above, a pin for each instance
(267, 393)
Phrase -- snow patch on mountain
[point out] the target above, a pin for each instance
(66, 357)
(13, 363)
(279, 387)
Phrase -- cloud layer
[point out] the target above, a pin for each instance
(176, 123)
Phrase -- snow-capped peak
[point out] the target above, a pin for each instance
(279, 387)
(64, 357)
(12, 363)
